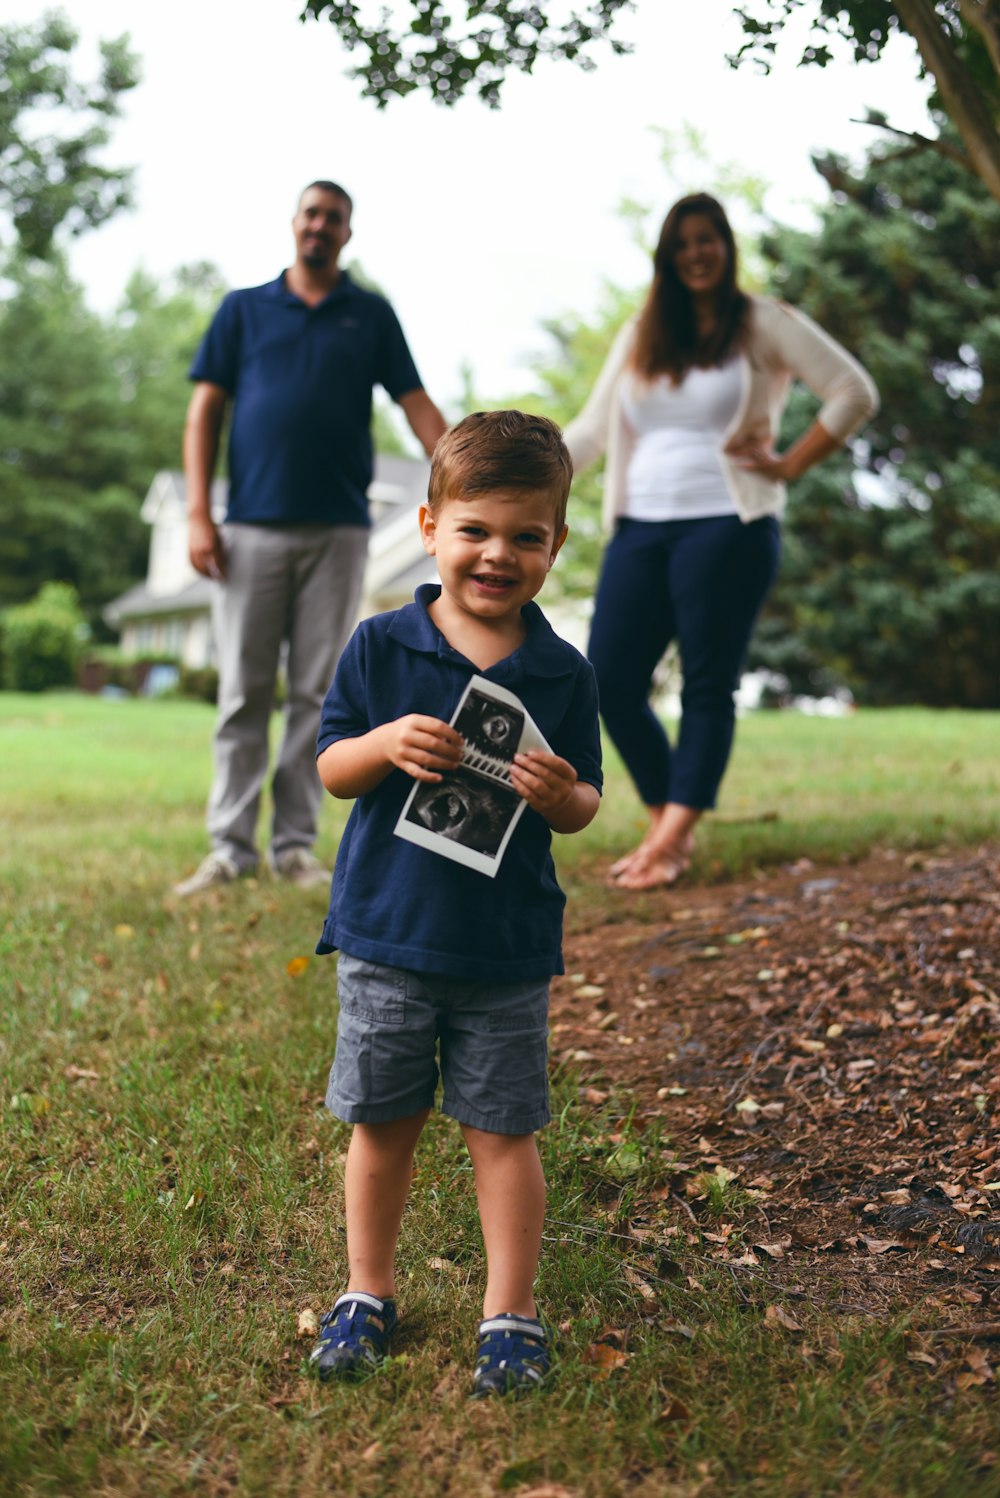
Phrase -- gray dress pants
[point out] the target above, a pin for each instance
(301, 585)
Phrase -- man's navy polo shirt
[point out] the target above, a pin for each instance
(395, 903)
(301, 378)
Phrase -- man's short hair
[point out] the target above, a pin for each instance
(333, 187)
(501, 450)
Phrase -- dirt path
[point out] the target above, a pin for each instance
(831, 1038)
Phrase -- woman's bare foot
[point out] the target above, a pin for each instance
(640, 851)
(664, 855)
(656, 869)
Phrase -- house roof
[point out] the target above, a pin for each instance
(140, 603)
(397, 562)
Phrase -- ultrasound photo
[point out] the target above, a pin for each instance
(470, 814)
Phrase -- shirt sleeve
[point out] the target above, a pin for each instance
(586, 436)
(345, 712)
(397, 373)
(579, 736)
(218, 358)
(847, 391)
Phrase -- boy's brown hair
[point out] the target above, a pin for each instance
(501, 450)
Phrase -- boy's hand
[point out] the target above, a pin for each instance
(423, 747)
(544, 780)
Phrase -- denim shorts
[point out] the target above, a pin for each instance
(395, 1025)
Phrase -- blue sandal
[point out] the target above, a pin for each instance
(513, 1355)
(354, 1336)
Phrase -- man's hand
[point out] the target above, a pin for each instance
(422, 747)
(545, 781)
(205, 547)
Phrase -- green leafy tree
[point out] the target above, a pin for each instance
(889, 580)
(90, 408)
(50, 181)
(430, 47)
(959, 46)
(445, 55)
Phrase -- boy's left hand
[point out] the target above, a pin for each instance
(544, 780)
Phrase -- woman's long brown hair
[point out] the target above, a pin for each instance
(667, 340)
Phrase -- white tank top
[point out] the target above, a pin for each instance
(675, 472)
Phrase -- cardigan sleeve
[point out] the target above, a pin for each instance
(586, 437)
(803, 348)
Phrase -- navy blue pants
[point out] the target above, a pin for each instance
(701, 583)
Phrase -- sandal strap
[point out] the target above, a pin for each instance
(525, 1326)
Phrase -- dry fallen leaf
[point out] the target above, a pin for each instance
(674, 1410)
(308, 1323)
(778, 1316)
(638, 1283)
(881, 1245)
(124, 931)
(79, 1074)
(604, 1358)
(774, 1250)
(443, 1266)
(547, 1490)
(297, 967)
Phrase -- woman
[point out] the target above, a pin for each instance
(687, 408)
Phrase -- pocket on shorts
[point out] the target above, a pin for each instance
(368, 990)
(526, 1015)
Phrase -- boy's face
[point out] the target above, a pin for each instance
(493, 551)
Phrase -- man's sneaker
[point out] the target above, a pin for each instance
(513, 1355)
(217, 868)
(354, 1336)
(300, 867)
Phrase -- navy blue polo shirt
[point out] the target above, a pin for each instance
(301, 378)
(399, 904)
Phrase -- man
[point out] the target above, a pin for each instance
(299, 358)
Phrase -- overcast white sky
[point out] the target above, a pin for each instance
(478, 224)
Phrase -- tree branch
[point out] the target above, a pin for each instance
(984, 17)
(959, 94)
(921, 142)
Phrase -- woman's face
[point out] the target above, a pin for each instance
(700, 256)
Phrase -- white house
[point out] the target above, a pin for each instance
(170, 613)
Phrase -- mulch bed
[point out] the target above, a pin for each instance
(825, 1044)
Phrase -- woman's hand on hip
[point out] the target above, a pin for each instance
(760, 457)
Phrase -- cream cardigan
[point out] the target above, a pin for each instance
(782, 344)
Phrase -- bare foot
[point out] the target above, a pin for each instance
(655, 870)
(622, 864)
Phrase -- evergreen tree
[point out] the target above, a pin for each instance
(889, 579)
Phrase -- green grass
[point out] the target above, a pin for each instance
(163, 1223)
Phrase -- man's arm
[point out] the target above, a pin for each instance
(205, 415)
(425, 420)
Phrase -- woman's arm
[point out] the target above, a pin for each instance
(796, 343)
(587, 434)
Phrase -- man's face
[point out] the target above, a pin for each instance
(322, 227)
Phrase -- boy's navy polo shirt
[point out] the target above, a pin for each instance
(395, 903)
(301, 378)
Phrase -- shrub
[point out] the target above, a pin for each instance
(199, 681)
(42, 640)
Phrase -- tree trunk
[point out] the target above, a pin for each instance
(965, 106)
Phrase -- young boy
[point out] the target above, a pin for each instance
(434, 954)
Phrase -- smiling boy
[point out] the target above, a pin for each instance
(440, 965)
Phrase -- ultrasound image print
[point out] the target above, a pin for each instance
(470, 813)
(492, 731)
(466, 808)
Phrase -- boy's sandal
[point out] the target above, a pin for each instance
(354, 1336)
(513, 1355)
